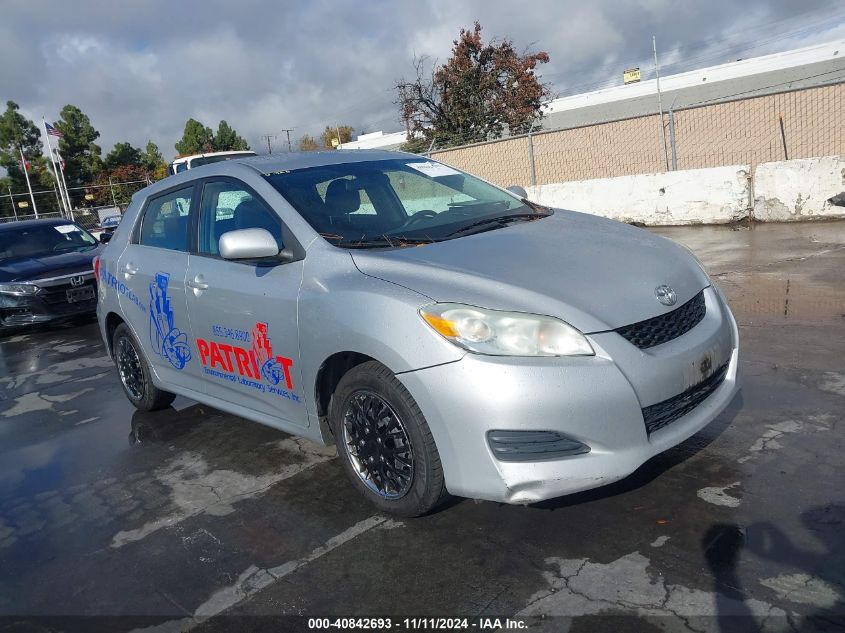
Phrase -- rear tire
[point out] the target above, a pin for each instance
(384, 442)
(134, 372)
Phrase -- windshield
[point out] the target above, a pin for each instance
(44, 239)
(386, 202)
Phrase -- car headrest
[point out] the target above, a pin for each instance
(342, 199)
(251, 214)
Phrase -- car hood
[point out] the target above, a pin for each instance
(596, 274)
(45, 266)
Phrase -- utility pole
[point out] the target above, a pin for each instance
(337, 129)
(267, 137)
(660, 101)
(288, 131)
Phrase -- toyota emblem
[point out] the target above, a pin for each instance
(666, 295)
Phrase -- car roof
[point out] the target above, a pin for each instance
(22, 224)
(269, 164)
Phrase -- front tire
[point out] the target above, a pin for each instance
(135, 375)
(384, 442)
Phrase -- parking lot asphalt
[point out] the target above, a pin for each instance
(189, 512)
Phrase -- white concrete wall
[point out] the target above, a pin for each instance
(717, 195)
(799, 189)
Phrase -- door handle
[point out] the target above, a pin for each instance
(198, 283)
(130, 269)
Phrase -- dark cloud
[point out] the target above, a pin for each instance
(141, 69)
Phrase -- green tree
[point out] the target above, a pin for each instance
(308, 143)
(331, 132)
(196, 139)
(117, 185)
(16, 133)
(123, 154)
(154, 162)
(81, 154)
(482, 90)
(227, 140)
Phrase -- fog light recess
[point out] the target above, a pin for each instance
(533, 446)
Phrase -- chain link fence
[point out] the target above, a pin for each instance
(104, 200)
(799, 124)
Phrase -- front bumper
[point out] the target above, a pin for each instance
(597, 400)
(49, 304)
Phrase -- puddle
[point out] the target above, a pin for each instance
(753, 296)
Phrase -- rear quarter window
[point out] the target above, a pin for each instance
(166, 220)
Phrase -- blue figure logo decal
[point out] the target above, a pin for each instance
(167, 340)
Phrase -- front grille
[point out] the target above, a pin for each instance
(54, 295)
(664, 328)
(663, 413)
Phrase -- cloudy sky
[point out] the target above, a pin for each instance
(139, 70)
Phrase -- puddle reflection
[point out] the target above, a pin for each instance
(756, 295)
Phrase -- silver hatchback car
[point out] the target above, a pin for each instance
(446, 334)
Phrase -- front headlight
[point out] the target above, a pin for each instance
(18, 289)
(501, 333)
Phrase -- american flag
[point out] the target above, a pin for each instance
(54, 131)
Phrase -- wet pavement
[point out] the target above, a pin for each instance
(189, 512)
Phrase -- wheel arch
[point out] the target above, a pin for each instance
(331, 370)
(112, 320)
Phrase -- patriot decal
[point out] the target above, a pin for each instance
(255, 367)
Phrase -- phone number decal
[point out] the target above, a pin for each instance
(226, 332)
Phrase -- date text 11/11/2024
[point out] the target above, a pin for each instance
(418, 624)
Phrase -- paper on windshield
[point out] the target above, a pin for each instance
(433, 170)
(66, 228)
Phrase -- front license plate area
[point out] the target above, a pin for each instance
(705, 365)
(75, 295)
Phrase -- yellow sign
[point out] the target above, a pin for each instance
(335, 142)
(89, 196)
(23, 204)
(631, 76)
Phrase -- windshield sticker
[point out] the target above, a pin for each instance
(256, 367)
(66, 228)
(167, 340)
(433, 170)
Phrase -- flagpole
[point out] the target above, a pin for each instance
(64, 183)
(28, 186)
(63, 205)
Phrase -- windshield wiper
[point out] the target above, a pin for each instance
(487, 224)
(388, 241)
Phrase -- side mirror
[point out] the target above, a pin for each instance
(251, 244)
(105, 238)
(517, 190)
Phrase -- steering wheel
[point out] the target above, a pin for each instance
(420, 215)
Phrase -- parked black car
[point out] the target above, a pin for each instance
(46, 271)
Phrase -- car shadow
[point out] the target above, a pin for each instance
(807, 569)
(163, 426)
